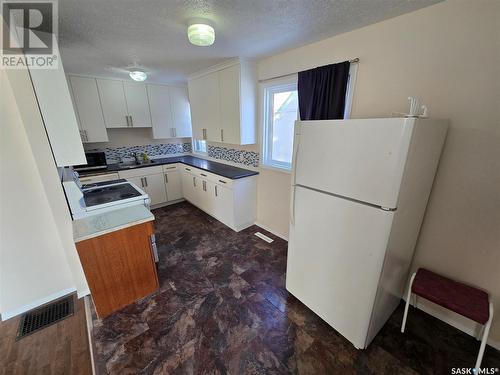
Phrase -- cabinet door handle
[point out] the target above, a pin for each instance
(224, 182)
(194, 181)
(203, 174)
(132, 123)
(187, 169)
(175, 132)
(170, 167)
(204, 185)
(222, 135)
(146, 181)
(172, 132)
(142, 181)
(204, 134)
(166, 178)
(126, 119)
(216, 192)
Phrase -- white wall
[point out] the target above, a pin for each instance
(448, 55)
(38, 256)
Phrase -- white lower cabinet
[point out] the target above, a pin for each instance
(233, 202)
(151, 180)
(173, 182)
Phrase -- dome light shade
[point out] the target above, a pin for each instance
(201, 34)
(138, 75)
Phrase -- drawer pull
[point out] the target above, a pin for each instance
(203, 174)
(171, 167)
(224, 182)
(187, 169)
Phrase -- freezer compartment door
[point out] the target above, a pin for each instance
(360, 159)
(335, 256)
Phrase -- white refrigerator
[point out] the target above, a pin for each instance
(359, 193)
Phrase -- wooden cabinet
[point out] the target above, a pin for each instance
(170, 113)
(124, 104)
(119, 267)
(88, 109)
(223, 103)
(233, 202)
(173, 182)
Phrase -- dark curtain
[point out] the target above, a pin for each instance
(322, 92)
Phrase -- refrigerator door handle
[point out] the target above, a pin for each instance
(296, 144)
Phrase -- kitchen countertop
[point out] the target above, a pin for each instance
(107, 222)
(223, 170)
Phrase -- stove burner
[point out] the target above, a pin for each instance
(110, 193)
(116, 187)
(94, 191)
(126, 195)
(101, 200)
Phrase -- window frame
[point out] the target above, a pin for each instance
(268, 89)
(290, 80)
(195, 150)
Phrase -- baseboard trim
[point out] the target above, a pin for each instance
(282, 236)
(10, 314)
(165, 204)
(90, 327)
(471, 329)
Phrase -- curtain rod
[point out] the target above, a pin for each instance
(353, 61)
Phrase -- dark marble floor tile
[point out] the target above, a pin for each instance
(222, 308)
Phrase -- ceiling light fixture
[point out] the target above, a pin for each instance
(138, 75)
(201, 34)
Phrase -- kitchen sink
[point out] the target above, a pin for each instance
(134, 164)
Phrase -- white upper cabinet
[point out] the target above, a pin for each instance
(181, 113)
(205, 106)
(136, 98)
(88, 109)
(170, 114)
(124, 104)
(114, 107)
(229, 86)
(54, 100)
(223, 103)
(161, 114)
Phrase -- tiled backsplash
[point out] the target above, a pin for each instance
(236, 156)
(233, 155)
(114, 154)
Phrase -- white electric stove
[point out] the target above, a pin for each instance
(93, 199)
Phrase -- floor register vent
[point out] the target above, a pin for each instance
(264, 237)
(39, 318)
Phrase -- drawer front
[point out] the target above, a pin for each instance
(170, 167)
(215, 178)
(99, 178)
(141, 172)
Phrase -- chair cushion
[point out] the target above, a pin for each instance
(460, 298)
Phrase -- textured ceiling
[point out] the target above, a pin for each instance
(105, 37)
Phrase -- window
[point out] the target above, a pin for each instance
(280, 111)
(199, 146)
